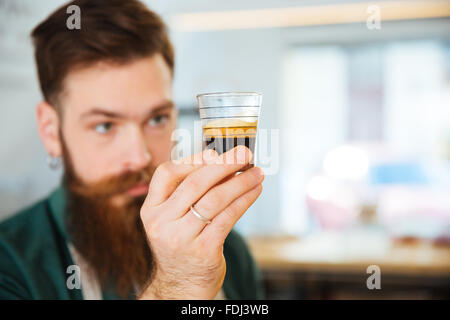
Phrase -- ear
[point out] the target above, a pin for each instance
(48, 127)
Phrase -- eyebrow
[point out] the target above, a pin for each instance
(97, 111)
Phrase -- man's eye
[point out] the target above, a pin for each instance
(104, 127)
(158, 120)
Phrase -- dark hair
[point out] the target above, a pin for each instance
(116, 31)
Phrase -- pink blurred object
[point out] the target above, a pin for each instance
(330, 215)
(333, 204)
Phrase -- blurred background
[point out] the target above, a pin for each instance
(357, 95)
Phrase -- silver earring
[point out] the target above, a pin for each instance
(53, 162)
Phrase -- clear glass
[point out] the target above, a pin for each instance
(229, 119)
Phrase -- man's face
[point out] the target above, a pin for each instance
(118, 118)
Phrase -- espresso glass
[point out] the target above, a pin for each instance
(230, 119)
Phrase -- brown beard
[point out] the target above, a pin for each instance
(105, 227)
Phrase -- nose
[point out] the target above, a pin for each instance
(137, 155)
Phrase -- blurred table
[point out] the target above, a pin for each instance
(333, 265)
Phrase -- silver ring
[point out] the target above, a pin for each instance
(198, 215)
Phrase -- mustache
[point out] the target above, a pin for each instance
(112, 185)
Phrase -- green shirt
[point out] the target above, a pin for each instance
(34, 257)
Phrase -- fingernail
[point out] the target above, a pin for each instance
(241, 154)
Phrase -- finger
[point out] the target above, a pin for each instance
(220, 197)
(200, 181)
(217, 231)
(169, 175)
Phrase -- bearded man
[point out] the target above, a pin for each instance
(126, 221)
